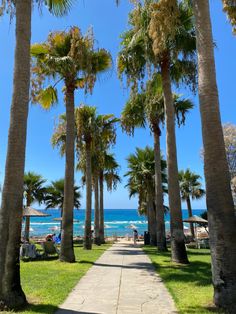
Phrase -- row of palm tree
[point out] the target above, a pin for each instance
(147, 109)
(174, 38)
(141, 183)
(69, 57)
(94, 135)
(171, 59)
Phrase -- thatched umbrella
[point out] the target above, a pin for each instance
(31, 212)
(196, 220)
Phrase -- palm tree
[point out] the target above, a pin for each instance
(104, 135)
(105, 138)
(190, 187)
(142, 182)
(109, 175)
(221, 216)
(54, 196)
(86, 127)
(168, 49)
(33, 192)
(94, 132)
(148, 109)
(70, 57)
(11, 294)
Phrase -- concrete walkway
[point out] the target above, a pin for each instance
(122, 281)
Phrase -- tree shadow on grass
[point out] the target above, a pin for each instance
(196, 271)
(51, 309)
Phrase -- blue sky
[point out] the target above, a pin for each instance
(109, 96)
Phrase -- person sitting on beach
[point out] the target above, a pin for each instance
(49, 237)
(135, 235)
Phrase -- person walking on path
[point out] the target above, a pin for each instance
(135, 236)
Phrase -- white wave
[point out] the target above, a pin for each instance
(126, 222)
(45, 223)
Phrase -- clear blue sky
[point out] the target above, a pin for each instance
(109, 96)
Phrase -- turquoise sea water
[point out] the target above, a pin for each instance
(117, 222)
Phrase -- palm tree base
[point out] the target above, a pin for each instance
(162, 248)
(224, 298)
(13, 300)
(97, 241)
(87, 244)
(178, 252)
(69, 258)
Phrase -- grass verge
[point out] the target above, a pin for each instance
(47, 283)
(190, 285)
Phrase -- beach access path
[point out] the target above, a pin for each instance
(122, 281)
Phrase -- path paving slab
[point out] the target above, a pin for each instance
(122, 281)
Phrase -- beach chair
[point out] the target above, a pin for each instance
(49, 248)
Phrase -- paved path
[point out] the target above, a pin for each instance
(122, 281)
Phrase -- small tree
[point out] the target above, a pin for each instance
(190, 187)
(34, 191)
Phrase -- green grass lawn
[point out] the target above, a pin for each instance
(190, 285)
(47, 283)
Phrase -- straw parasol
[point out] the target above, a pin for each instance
(196, 220)
(30, 212)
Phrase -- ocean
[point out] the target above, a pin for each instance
(117, 222)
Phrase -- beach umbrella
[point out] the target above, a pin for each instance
(30, 212)
(196, 220)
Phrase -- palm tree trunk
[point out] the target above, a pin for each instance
(27, 228)
(88, 218)
(160, 214)
(96, 209)
(178, 250)
(152, 218)
(11, 293)
(101, 208)
(190, 213)
(220, 207)
(67, 250)
(27, 219)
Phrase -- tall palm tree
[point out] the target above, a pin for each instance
(190, 187)
(148, 109)
(70, 57)
(11, 294)
(86, 128)
(34, 191)
(221, 216)
(168, 49)
(105, 138)
(141, 181)
(109, 175)
(94, 132)
(104, 135)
